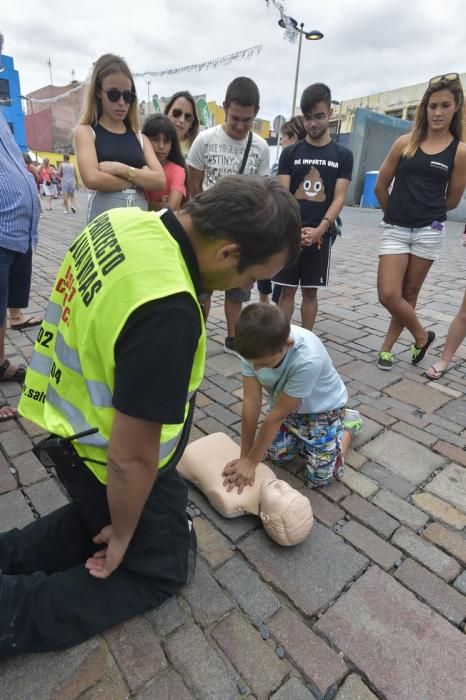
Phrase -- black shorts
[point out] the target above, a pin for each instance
(15, 280)
(311, 269)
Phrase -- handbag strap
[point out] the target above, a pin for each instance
(246, 153)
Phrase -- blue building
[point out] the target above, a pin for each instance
(10, 101)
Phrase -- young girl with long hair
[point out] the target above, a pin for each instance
(181, 111)
(162, 135)
(429, 168)
(115, 160)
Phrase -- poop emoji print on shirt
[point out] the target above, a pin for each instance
(312, 188)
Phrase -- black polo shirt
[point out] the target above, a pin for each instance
(154, 353)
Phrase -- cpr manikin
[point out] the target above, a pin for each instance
(285, 513)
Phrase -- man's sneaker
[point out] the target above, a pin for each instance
(385, 360)
(229, 345)
(352, 421)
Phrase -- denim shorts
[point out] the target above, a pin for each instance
(15, 280)
(423, 242)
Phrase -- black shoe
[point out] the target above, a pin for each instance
(229, 346)
(73, 210)
(418, 354)
(385, 361)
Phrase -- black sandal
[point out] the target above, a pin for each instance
(18, 376)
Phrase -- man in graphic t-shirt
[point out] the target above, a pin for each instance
(221, 151)
(318, 172)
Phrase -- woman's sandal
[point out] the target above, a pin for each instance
(24, 322)
(18, 375)
(8, 416)
(433, 373)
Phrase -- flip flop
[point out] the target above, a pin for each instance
(30, 322)
(18, 376)
(3, 419)
(433, 373)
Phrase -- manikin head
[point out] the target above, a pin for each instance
(285, 513)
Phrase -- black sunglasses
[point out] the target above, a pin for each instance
(177, 113)
(114, 95)
(450, 77)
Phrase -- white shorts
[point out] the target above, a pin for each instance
(423, 242)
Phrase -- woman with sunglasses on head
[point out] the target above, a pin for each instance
(181, 111)
(115, 160)
(429, 167)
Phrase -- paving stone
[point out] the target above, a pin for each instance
(320, 664)
(250, 592)
(355, 459)
(340, 330)
(432, 590)
(426, 554)
(454, 411)
(15, 511)
(405, 457)
(310, 587)
(454, 454)
(387, 478)
(395, 650)
(46, 496)
(440, 509)
(224, 364)
(15, 442)
(368, 431)
(450, 541)
(168, 617)
(112, 687)
(62, 675)
(233, 528)
(137, 651)
(253, 658)
(210, 425)
(370, 375)
(205, 597)
(447, 436)
(378, 416)
(29, 469)
(450, 485)
(416, 434)
(354, 689)
(336, 491)
(201, 667)
(371, 544)
(460, 583)
(419, 395)
(402, 511)
(7, 480)
(358, 482)
(293, 689)
(407, 417)
(211, 544)
(327, 513)
(166, 686)
(370, 515)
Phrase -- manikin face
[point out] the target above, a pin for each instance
(116, 111)
(316, 122)
(276, 496)
(238, 120)
(181, 115)
(440, 109)
(286, 514)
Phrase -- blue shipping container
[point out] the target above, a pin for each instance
(368, 199)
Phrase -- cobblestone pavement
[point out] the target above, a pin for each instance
(372, 605)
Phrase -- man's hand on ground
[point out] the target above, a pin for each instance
(106, 560)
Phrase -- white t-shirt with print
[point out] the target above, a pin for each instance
(219, 155)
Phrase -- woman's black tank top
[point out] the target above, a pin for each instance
(418, 196)
(124, 148)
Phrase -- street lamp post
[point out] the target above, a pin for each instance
(313, 35)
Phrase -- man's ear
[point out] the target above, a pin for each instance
(228, 252)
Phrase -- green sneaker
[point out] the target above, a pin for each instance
(385, 360)
(352, 421)
(418, 354)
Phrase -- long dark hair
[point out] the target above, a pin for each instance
(156, 124)
(194, 128)
(419, 131)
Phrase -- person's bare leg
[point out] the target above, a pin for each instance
(65, 201)
(390, 284)
(309, 307)
(456, 335)
(50, 202)
(73, 202)
(6, 411)
(232, 311)
(264, 298)
(286, 300)
(346, 442)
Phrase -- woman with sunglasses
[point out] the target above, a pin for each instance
(429, 167)
(115, 160)
(181, 111)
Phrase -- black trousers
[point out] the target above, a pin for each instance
(48, 599)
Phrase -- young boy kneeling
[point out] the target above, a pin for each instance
(307, 400)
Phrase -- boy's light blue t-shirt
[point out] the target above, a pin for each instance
(306, 372)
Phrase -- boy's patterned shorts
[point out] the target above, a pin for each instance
(317, 437)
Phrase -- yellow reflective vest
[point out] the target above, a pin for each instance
(122, 260)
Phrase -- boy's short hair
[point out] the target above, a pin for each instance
(244, 92)
(261, 330)
(317, 92)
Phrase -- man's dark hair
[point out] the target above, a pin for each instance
(261, 330)
(256, 213)
(244, 92)
(317, 92)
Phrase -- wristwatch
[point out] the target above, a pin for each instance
(131, 174)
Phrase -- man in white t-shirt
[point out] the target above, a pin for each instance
(229, 149)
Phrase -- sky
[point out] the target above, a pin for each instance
(368, 46)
